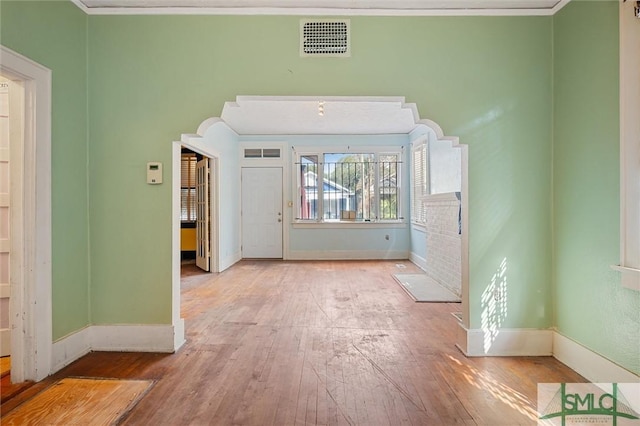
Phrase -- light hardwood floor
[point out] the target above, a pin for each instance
(319, 343)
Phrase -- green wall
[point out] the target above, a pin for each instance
(591, 306)
(507, 86)
(54, 34)
(484, 79)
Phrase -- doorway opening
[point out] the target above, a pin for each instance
(248, 124)
(27, 234)
(195, 194)
(195, 209)
(262, 212)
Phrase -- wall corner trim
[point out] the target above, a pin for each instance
(115, 338)
(505, 342)
(589, 364)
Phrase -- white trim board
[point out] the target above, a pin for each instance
(419, 261)
(116, 338)
(31, 227)
(348, 254)
(319, 11)
(505, 342)
(539, 342)
(589, 364)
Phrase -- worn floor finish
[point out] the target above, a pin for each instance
(320, 343)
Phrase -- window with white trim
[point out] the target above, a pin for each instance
(354, 186)
(629, 147)
(419, 181)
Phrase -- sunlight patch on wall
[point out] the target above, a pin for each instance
(494, 305)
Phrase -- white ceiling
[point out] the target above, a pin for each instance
(291, 115)
(324, 7)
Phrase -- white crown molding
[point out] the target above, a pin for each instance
(311, 11)
(322, 11)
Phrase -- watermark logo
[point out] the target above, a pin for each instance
(574, 404)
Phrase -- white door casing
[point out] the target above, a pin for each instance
(203, 245)
(262, 212)
(6, 86)
(30, 263)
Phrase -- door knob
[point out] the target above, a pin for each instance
(279, 220)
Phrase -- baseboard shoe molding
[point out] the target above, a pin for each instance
(115, 338)
(589, 364)
(348, 255)
(419, 261)
(506, 342)
(70, 348)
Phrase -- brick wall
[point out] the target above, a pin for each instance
(444, 243)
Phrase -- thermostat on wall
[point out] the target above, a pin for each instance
(154, 173)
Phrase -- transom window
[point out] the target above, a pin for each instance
(348, 186)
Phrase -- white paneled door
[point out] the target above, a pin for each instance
(203, 215)
(262, 212)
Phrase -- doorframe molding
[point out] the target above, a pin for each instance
(32, 322)
(280, 162)
(194, 144)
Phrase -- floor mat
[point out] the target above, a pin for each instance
(80, 401)
(424, 289)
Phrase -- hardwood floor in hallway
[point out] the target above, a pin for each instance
(319, 343)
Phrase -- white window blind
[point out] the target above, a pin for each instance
(419, 179)
(188, 187)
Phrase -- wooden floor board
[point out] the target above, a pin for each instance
(318, 343)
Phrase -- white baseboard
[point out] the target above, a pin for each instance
(116, 338)
(419, 261)
(69, 348)
(589, 364)
(505, 342)
(348, 254)
(178, 334)
(132, 338)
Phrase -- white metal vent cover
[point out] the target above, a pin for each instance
(325, 37)
(262, 153)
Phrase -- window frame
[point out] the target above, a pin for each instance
(629, 151)
(320, 152)
(419, 190)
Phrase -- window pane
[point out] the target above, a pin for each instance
(308, 187)
(388, 172)
(348, 187)
(188, 170)
(188, 204)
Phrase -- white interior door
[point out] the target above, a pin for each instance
(203, 223)
(262, 212)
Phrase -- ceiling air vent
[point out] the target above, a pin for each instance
(325, 37)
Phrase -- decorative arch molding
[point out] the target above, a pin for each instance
(303, 115)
